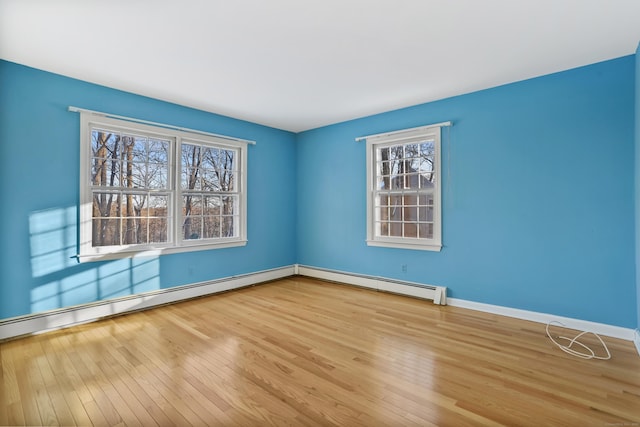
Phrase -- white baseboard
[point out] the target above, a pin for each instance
(436, 293)
(582, 325)
(417, 290)
(55, 319)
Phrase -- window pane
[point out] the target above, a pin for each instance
(382, 214)
(190, 167)
(383, 154)
(106, 231)
(229, 205)
(228, 158)
(158, 230)
(192, 228)
(411, 151)
(425, 231)
(396, 179)
(227, 166)
(143, 230)
(210, 157)
(192, 212)
(105, 172)
(227, 180)
(425, 213)
(228, 226)
(105, 144)
(382, 199)
(157, 168)
(192, 205)
(426, 180)
(106, 158)
(158, 176)
(395, 229)
(410, 229)
(159, 151)
(426, 168)
(382, 229)
(395, 208)
(190, 179)
(425, 199)
(382, 182)
(129, 178)
(132, 231)
(211, 205)
(410, 213)
(106, 204)
(210, 181)
(211, 227)
(136, 148)
(412, 181)
(128, 205)
(427, 150)
(158, 206)
(396, 152)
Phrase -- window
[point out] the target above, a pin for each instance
(149, 188)
(403, 198)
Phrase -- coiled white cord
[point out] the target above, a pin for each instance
(589, 354)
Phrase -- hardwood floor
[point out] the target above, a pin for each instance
(303, 352)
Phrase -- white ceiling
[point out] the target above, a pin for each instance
(296, 64)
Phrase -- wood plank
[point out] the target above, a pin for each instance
(303, 352)
(27, 386)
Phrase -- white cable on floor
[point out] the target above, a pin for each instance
(571, 341)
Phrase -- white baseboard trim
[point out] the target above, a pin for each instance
(436, 293)
(65, 317)
(69, 316)
(582, 325)
(428, 292)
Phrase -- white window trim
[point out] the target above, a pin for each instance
(401, 137)
(177, 244)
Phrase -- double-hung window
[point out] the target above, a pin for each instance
(404, 186)
(149, 188)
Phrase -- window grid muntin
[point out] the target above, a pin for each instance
(223, 225)
(155, 133)
(123, 148)
(376, 236)
(398, 172)
(119, 159)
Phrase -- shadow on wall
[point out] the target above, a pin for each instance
(60, 281)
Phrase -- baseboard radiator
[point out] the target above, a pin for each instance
(438, 294)
(69, 316)
(84, 313)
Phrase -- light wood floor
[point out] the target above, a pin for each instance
(303, 352)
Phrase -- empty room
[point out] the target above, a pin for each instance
(320, 213)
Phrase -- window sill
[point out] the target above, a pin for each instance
(403, 245)
(155, 252)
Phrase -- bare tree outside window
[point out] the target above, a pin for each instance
(151, 187)
(405, 180)
(210, 199)
(129, 187)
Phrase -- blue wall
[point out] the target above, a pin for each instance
(637, 183)
(39, 170)
(538, 196)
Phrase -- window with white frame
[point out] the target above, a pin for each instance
(404, 189)
(149, 188)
